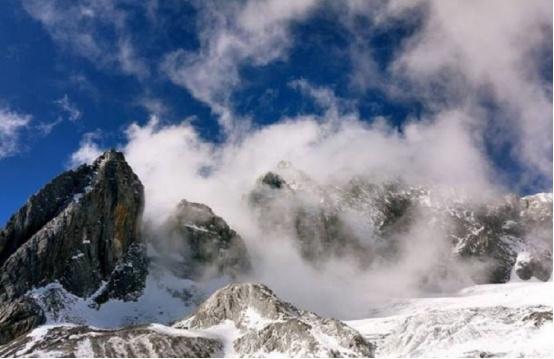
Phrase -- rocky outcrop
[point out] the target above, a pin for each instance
(199, 244)
(134, 342)
(81, 230)
(267, 325)
(496, 234)
(18, 317)
(530, 265)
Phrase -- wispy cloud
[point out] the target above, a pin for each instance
(88, 151)
(69, 108)
(233, 34)
(464, 54)
(12, 124)
(81, 27)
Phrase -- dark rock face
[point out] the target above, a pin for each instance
(127, 279)
(204, 242)
(18, 317)
(269, 325)
(274, 181)
(137, 342)
(80, 230)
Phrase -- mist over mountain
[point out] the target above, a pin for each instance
(82, 262)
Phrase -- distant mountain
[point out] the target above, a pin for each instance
(371, 220)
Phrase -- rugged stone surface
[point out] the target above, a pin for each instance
(370, 220)
(201, 243)
(268, 325)
(138, 342)
(18, 317)
(81, 229)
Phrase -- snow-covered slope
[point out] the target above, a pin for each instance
(508, 320)
(239, 320)
(500, 320)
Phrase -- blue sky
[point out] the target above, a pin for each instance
(76, 74)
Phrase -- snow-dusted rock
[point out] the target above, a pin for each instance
(538, 265)
(266, 325)
(138, 342)
(199, 244)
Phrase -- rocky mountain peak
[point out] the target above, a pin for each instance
(266, 324)
(79, 230)
(234, 301)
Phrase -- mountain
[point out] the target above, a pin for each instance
(82, 231)
(372, 220)
(82, 274)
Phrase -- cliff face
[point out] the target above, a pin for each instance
(80, 230)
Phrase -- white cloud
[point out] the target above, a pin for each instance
(468, 49)
(73, 113)
(154, 105)
(11, 125)
(88, 150)
(233, 34)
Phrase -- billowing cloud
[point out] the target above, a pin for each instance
(70, 109)
(493, 45)
(175, 163)
(473, 55)
(463, 59)
(12, 124)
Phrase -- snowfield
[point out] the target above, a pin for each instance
(511, 320)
